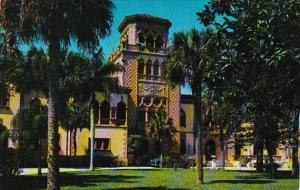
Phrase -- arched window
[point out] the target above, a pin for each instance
(158, 43)
(182, 118)
(141, 38)
(150, 42)
(141, 66)
(121, 113)
(156, 70)
(148, 70)
(104, 112)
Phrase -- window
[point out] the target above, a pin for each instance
(121, 113)
(105, 112)
(182, 118)
(156, 70)
(237, 151)
(102, 144)
(141, 66)
(142, 118)
(148, 70)
(113, 113)
(150, 42)
(4, 97)
(158, 42)
(183, 143)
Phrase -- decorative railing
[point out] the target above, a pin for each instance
(145, 49)
(111, 122)
(149, 77)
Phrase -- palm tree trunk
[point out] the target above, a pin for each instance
(161, 153)
(222, 143)
(198, 130)
(39, 156)
(295, 162)
(53, 147)
(92, 134)
(75, 142)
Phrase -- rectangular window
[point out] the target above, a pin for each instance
(183, 143)
(113, 113)
(102, 144)
(4, 97)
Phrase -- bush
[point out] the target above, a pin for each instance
(244, 160)
(9, 163)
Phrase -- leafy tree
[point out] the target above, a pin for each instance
(266, 62)
(162, 130)
(57, 23)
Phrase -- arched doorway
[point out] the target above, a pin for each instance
(210, 150)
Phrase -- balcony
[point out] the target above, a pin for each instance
(145, 49)
(111, 122)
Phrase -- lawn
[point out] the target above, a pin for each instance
(155, 179)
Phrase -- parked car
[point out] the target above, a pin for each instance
(155, 162)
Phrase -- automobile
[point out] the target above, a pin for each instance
(155, 162)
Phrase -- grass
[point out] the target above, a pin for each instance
(157, 179)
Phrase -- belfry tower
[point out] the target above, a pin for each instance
(143, 51)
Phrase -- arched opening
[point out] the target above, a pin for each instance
(141, 66)
(210, 150)
(158, 43)
(150, 42)
(141, 118)
(182, 118)
(148, 70)
(105, 112)
(141, 38)
(121, 113)
(156, 70)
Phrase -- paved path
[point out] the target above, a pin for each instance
(33, 171)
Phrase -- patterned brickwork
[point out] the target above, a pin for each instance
(130, 81)
(131, 35)
(174, 110)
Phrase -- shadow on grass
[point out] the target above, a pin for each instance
(147, 188)
(239, 181)
(34, 182)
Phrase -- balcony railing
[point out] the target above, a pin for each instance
(112, 122)
(145, 49)
(149, 77)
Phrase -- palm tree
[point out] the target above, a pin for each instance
(81, 78)
(100, 79)
(31, 124)
(57, 23)
(186, 64)
(162, 130)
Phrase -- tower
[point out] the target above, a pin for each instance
(143, 52)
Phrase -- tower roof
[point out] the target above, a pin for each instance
(144, 18)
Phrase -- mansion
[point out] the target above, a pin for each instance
(142, 51)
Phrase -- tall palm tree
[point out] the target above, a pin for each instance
(100, 79)
(186, 64)
(57, 23)
(162, 130)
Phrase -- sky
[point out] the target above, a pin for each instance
(182, 14)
